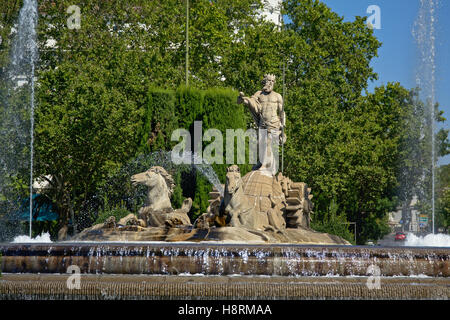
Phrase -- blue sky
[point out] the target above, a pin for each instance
(397, 58)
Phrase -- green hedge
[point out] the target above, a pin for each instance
(189, 106)
(160, 118)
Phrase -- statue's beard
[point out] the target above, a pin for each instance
(268, 88)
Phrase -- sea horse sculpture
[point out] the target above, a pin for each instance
(160, 187)
(259, 202)
(235, 203)
(158, 210)
(238, 209)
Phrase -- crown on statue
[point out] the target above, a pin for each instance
(269, 76)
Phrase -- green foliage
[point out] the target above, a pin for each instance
(443, 174)
(118, 213)
(334, 141)
(443, 198)
(177, 195)
(332, 222)
(443, 210)
(358, 149)
(160, 120)
(415, 156)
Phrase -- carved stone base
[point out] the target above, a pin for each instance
(232, 234)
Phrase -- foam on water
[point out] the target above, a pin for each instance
(430, 240)
(43, 238)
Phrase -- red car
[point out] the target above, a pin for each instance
(400, 236)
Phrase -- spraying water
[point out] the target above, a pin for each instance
(425, 35)
(17, 131)
(25, 53)
(430, 240)
(203, 167)
(43, 238)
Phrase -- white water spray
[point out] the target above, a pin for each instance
(425, 35)
(430, 240)
(201, 165)
(23, 60)
(31, 148)
(43, 238)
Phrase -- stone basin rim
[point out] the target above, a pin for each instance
(210, 244)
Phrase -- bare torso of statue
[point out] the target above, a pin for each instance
(270, 109)
(266, 106)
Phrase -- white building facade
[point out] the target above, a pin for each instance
(272, 11)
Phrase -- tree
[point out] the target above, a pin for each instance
(93, 87)
(359, 150)
(335, 136)
(443, 198)
(443, 210)
(86, 127)
(415, 159)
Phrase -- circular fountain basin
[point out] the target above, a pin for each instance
(223, 259)
(162, 270)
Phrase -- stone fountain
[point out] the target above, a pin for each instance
(254, 242)
(254, 209)
(263, 206)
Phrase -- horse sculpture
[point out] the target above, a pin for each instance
(158, 210)
(236, 204)
(160, 187)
